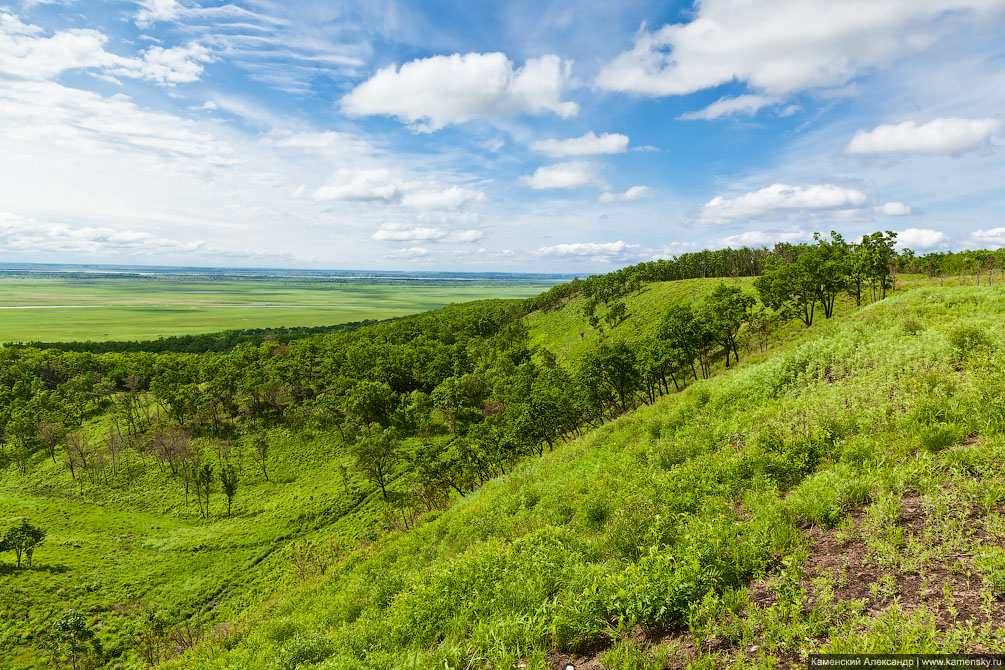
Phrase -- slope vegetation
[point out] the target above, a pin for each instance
(513, 484)
(659, 521)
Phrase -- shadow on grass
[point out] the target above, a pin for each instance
(12, 569)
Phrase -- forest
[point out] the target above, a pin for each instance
(412, 417)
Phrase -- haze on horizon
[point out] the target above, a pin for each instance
(521, 136)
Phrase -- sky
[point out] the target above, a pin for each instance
(521, 136)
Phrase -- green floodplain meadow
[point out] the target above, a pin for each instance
(65, 306)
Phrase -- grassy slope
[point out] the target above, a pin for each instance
(499, 572)
(526, 563)
(115, 553)
(568, 335)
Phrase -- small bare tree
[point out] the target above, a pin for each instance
(260, 453)
(51, 433)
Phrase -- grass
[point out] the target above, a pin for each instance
(137, 308)
(569, 336)
(118, 552)
(659, 513)
(662, 521)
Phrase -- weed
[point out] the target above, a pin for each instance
(990, 562)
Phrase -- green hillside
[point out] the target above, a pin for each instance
(499, 485)
(567, 334)
(706, 511)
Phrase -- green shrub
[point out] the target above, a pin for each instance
(789, 460)
(825, 497)
(941, 436)
(281, 630)
(596, 513)
(858, 451)
(912, 326)
(708, 556)
(304, 650)
(630, 525)
(967, 340)
(675, 452)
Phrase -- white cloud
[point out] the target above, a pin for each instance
(467, 236)
(83, 121)
(601, 252)
(671, 249)
(454, 197)
(417, 234)
(590, 143)
(945, 136)
(379, 184)
(25, 54)
(28, 5)
(762, 238)
(922, 239)
(993, 237)
(152, 11)
(894, 208)
(746, 105)
(20, 235)
(779, 46)
(284, 45)
(409, 252)
(574, 174)
(359, 184)
(633, 193)
(176, 65)
(426, 234)
(780, 199)
(431, 93)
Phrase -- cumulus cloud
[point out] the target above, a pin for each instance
(176, 65)
(922, 239)
(152, 11)
(671, 249)
(467, 236)
(409, 252)
(573, 174)
(590, 143)
(26, 54)
(453, 197)
(410, 234)
(431, 93)
(943, 136)
(778, 46)
(379, 184)
(633, 193)
(359, 184)
(894, 208)
(992, 237)
(601, 252)
(781, 199)
(741, 105)
(426, 234)
(766, 238)
(20, 235)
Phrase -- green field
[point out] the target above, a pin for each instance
(52, 308)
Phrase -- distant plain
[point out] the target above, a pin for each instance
(67, 304)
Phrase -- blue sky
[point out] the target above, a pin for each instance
(516, 136)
